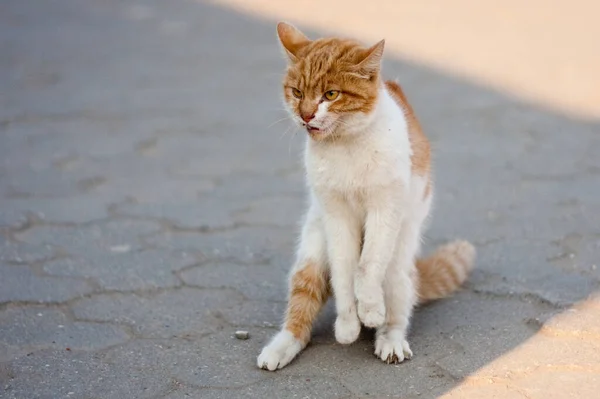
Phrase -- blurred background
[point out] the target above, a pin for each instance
(151, 188)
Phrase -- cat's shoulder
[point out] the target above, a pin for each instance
(421, 150)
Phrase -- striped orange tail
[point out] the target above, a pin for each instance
(444, 271)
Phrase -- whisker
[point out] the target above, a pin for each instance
(277, 121)
(285, 132)
(291, 126)
(290, 141)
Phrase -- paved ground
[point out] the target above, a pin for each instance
(149, 204)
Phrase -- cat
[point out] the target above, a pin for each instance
(368, 170)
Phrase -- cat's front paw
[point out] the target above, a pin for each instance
(279, 352)
(392, 348)
(371, 314)
(347, 329)
(370, 305)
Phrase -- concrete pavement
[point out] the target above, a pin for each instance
(149, 202)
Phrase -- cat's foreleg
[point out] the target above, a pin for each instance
(343, 232)
(382, 228)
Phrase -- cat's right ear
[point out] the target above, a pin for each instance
(291, 39)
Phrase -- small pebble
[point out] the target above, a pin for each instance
(242, 334)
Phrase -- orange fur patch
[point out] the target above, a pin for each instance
(309, 290)
(421, 158)
(444, 271)
(318, 66)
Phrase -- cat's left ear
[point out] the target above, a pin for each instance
(291, 39)
(370, 64)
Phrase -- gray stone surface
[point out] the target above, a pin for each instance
(125, 271)
(22, 284)
(66, 374)
(15, 252)
(245, 244)
(254, 281)
(12, 218)
(226, 361)
(149, 205)
(83, 208)
(27, 329)
(113, 236)
(193, 312)
(313, 387)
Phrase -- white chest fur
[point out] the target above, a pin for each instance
(377, 155)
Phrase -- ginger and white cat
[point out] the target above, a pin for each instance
(369, 177)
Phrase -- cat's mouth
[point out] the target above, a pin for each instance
(313, 131)
(318, 132)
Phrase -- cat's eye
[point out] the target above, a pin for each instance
(331, 95)
(297, 93)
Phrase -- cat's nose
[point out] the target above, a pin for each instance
(307, 116)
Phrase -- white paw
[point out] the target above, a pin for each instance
(347, 329)
(372, 314)
(370, 303)
(279, 352)
(392, 348)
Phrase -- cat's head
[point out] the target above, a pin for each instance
(331, 85)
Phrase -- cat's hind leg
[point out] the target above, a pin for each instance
(401, 280)
(391, 344)
(308, 291)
